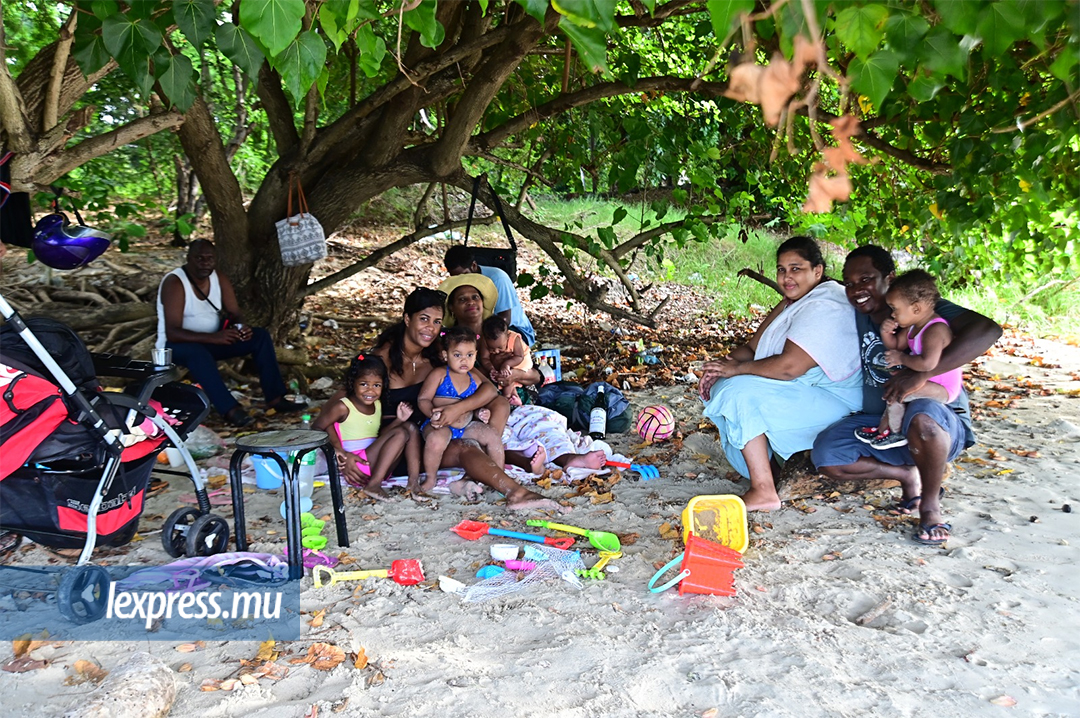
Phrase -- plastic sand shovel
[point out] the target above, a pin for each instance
(647, 471)
(603, 540)
(596, 573)
(472, 530)
(407, 572)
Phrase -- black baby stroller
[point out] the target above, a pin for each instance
(76, 460)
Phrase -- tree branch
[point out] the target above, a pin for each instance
(759, 277)
(531, 173)
(278, 111)
(661, 14)
(596, 92)
(382, 252)
(884, 147)
(58, 165)
(642, 237)
(50, 113)
(13, 118)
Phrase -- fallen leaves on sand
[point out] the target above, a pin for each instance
(1028, 453)
(832, 556)
(85, 671)
(995, 455)
(191, 647)
(266, 651)
(359, 659)
(22, 664)
(1005, 701)
(317, 618)
(669, 532)
(322, 656)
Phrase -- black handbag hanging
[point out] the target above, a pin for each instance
(504, 259)
(16, 223)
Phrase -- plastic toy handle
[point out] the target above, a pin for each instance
(318, 571)
(670, 565)
(563, 542)
(620, 464)
(360, 575)
(517, 535)
(561, 527)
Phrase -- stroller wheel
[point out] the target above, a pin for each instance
(83, 594)
(207, 536)
(176, 529)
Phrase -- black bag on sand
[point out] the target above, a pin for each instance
(504, 259)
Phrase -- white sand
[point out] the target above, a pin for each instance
(994, 614)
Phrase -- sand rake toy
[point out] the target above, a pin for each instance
(407, 572)
(596, 573)
(473, 530)
(647, 471)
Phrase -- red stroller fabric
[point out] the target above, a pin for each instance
(32, 408)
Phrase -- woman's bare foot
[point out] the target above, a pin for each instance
(468, 490)
(525, 500)
(761, 500)
(593, 460)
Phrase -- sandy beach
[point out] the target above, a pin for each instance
(837, 613)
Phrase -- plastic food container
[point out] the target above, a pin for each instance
(504, 551)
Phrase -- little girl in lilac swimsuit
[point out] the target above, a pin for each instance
(911, 297)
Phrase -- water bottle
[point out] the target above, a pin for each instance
(305, 422)
(307, 464)
(598, 415)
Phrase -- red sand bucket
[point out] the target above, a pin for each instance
(707, 567)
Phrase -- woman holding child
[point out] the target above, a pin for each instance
(798, 374)
(412, 351)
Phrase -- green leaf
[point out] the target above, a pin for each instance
(274, 22)
(372, 50)
(536, 9)
(903, 32)
(422, 19)
(607, 236)
(588, 13)
(591, 44)
(236, 44)
(104, 8)
(618, 216)
(723, 13)
(538, 292)
(196, 19)
(525, 279)
(942, 53)
(90, 52)
(178, 82)
(333, 24)
(366, 10)
(924, 87)
(713, 153)
(1062, 67)
(124, 36)
(999, 26)
(143, 9)
(874, 77)
(861, 28)
(301, 63)
(959, 16)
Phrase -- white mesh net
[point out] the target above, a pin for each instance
(559, 564)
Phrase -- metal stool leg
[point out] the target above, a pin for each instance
(292, 516)
(335, 494)
(237, 486)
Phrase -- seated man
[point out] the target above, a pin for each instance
(199, 319)
(936, 433)
(459, 260)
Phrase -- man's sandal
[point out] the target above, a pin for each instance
(923, 529)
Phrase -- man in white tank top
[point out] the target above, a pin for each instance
(199, 319)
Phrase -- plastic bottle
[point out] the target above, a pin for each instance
(307, 464)
(598, 415)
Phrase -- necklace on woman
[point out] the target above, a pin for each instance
(412, 360)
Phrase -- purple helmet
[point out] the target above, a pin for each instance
(63, 245)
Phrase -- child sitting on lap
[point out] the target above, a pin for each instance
(458, 381)
(505, 351)
(354, 425)
(912, 297)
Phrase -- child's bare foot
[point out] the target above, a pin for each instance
(761, 500)
(538, 460)
(514, 399)
(468, 490)
(483, 415)
(593, 460)
(376, 491)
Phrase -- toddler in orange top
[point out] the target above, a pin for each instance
(505, 356)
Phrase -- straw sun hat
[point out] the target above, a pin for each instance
(481, 283)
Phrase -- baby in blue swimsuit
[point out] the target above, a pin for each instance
(443, 387)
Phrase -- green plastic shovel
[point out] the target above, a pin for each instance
(603, 540)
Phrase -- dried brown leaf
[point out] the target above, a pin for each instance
(744, 83)
(23, 664)
(317, 618)
(266, 651)
(823, 191)
(779, 82)
(361, 660)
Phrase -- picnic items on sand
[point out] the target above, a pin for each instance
(603, 540)
(718, 517)
(300, 236)
(406, 571)
(472, 530)
(706, 567)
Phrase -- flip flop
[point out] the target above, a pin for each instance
(924, 529)
(910, 506)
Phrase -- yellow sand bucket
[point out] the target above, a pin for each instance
(720, 518)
